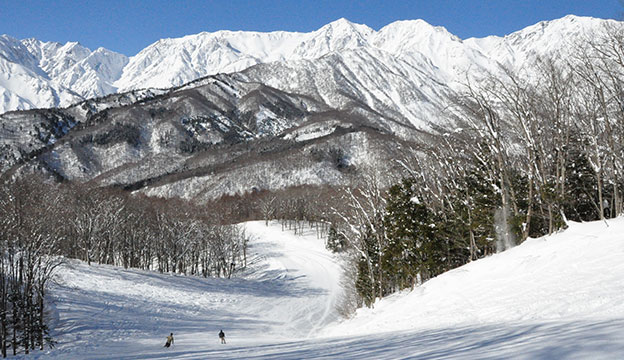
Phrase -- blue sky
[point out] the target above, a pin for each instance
(129, 26)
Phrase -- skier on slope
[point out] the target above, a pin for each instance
(169, 340)
(222, 336)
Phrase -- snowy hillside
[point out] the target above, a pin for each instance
(216, 136)
(573, 276)
(47, 74)
(554, 297)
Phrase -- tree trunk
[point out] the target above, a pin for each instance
(527, 221)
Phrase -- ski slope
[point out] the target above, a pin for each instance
(288, 291)
(558, 297)
(577, 274)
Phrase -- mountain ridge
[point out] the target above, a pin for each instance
(53, 74)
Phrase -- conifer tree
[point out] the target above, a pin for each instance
(403, 222)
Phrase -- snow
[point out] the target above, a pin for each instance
(41, 74)
(54, 74)
(554, 297)
(574, 277)
(288, 291)
(313, 131)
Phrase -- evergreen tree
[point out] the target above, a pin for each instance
(482, 200)
(581, 194)
(404, 224)
(363, 283)
(336, 241)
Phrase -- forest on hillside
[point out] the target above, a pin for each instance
(531, 150)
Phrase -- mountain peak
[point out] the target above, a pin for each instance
(9, 41)
(343, 25)
(6, 37)
(417, 27)
(340, 22)
(564, 26)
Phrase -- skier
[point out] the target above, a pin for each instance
(169, 340)
(222, 336)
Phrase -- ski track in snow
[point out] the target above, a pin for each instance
(556, 297)
(287, 291)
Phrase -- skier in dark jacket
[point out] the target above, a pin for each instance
(222, 336)
(169, 340)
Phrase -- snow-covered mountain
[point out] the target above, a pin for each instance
(171, 62)
(35, 74)
(23, 84)
(310, 109)
(219, 135)
(557, 38)
(431, 49)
